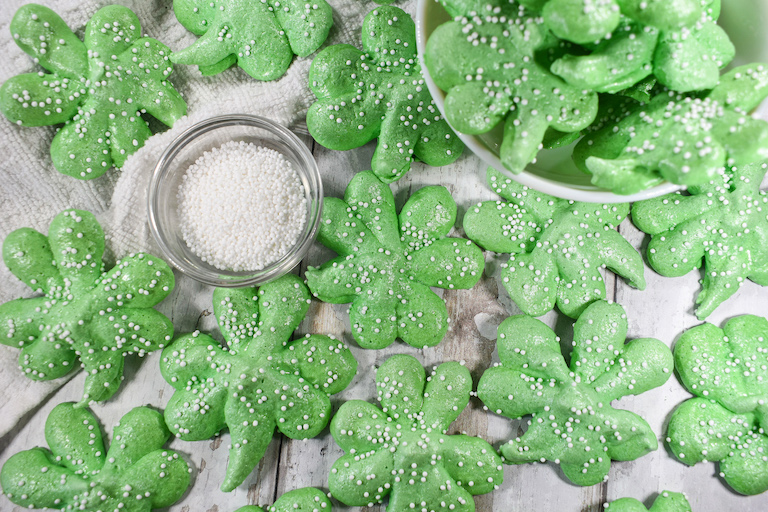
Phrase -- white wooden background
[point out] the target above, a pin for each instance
(663, 310)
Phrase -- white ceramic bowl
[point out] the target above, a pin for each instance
(554, 171)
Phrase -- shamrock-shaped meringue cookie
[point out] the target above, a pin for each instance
(573, 423)
(587, 21)
(665, 502)
(402, 451)
(99, 87)
(307, 499)
(380, 92)
(685, 139)
(85, 312)
(727, 422)
(557, 246)
(260, 36)
(387, 262)
(78, 473)
(721, 226)
(677, 42)
(261, 380)
(486, 62)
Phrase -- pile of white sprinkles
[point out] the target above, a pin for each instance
(241, 207)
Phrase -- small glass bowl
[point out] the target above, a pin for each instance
(185, 150)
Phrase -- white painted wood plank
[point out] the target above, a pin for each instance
(662, 311)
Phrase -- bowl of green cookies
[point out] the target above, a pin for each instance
(622, 101)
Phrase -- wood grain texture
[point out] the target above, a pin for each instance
(663, 311)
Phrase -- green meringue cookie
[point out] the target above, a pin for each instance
(721, 227)
(685, 54)
(557, 246)
(380, 93)
(690, 58)
(402, 452)
(686, 140)
(727, 422)
(614, 64)
(579, 21)
(78, 473)
(99, 89)
(261, 37)
(587, 21)
(85, 312)
(307, 499)
(487, 64)
(573, 423)
(665, 502)
(261, 381)
(388, 262)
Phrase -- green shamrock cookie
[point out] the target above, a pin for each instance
(587, 21)
(486, 63)
(380, 93)
(727, 422)
(614, 64)
(387, 262)
(402, 450)
(85, 312)
(261, 380)
(685, 53)
(259, 36)
(690, 58)
(721, 227)
(78, 473)
(307, 499)
(99, 88)
(686, 140)
(665, 502)
(578, 21)
(573, 423)
(557, 247)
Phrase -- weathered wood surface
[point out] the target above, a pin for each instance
(663, 311)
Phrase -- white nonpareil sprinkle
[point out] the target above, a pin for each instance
(241, 207)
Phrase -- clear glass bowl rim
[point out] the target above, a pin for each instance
(271, 272)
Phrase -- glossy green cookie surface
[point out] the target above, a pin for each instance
(86, 312)
(665, 502)
(684, 139)
(259, 382)
(99, 88)
(307, 499)
(388, 262)
(380, 93)
(727, 370)
(676, 42)
(573, 423)
(401, 451)
(557, 247)
(486, 62)
(78, 472)
(721, 227)
(261, 37)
